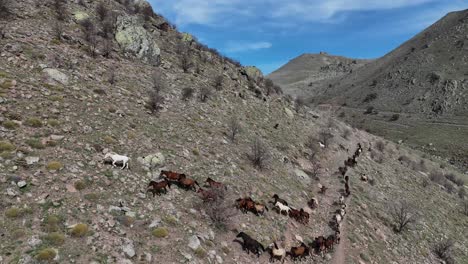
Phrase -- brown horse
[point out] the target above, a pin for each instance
(158, 187)
(187, 183)
(300, 252)
(214, 184)
(172, 176)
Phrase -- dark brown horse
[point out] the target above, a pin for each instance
(187, 183)
(172, 176)
(214, 184)
(158, 187)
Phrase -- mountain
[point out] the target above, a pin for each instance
(83, 79)
(423, 84)
(301, 74)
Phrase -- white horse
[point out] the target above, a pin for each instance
(341, 200)
(118, 158)
(282, 207)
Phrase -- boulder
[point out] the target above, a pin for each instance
(153, 160)
(56, 76)
(252, 73)
(79, 16)
(134, 39)
(302, 176)
(31, 160)
(194, 242)
(128, 248)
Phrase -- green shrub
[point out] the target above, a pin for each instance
(200, 252)
(53, 122)
(54, 165)
(109, 140)
(55, 238)
(13, 212)
(33, 122)
(52, 223)
(8, 124)
(160, 232)
(6, 146)
(35, 143)
(47, 254)
(80, 185)
(79, 230)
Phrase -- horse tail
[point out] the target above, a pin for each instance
(197, 184)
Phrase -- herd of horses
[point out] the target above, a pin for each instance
(319, 245)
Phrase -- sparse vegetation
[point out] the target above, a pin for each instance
(35, 143)
(204, 93)
(33, 122)
(186, 62)
(394, 117)
(453, 178)
(218, 82)
(155, 101)
(443, 250)
(54, 166)
(47, 254)
(234, 128)
(325, 137)
(299, 103)
(187, 93)
(370, 97)
(60, 9)
(79, 230)
(402, 214)
(158, 82)
(160, 232)
(6, 146)
(259, 153)
(437, 177)
(102, 10)
(312, 146)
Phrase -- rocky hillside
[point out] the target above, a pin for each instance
(80, 79)
(300, 75)
(426, 74)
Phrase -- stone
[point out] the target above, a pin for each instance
(31, 160)
(219, 259)
(79, 16)
(56, 75)
(132, 37)
(34, 241)
(128, 248)
(22, 184)
(155, 223)
(153, 160)
(194, 242)
(302, 175)
(328, 257)
(289, 113)
(11, 192)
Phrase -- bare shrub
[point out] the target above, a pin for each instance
(394, 117)
(108, 27)
(437, 177)
(299, 103)
(89, 29)
(4, 7)
(278, 89)
(107, 48)
(462, 193)
(380, 145)
(187, 93)
(346, 133)
(449, 187)
(60, 9)
(111, 79)
(158, 82)
(370, 97)
(402, 214)
(155, 101)
(204, 93)
(269, 86)
(404, 160)
(102, 11)
(377, 156)
(186, 62)
(312, 146)
(315, 170)
(218, 210)
(259, 153)
(325, 137)
(465, 207)
(425, 183)
(234, 128)
(57, 30)
(443, 250)
(453, 178)
(218, 82)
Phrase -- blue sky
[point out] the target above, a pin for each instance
(269, 33)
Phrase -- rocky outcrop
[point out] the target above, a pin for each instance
(252, 73)
(136, 40)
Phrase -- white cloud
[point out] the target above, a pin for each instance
(216, 12)
(233, 47)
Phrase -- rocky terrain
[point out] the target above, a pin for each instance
(300, 76)
(80, 79)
